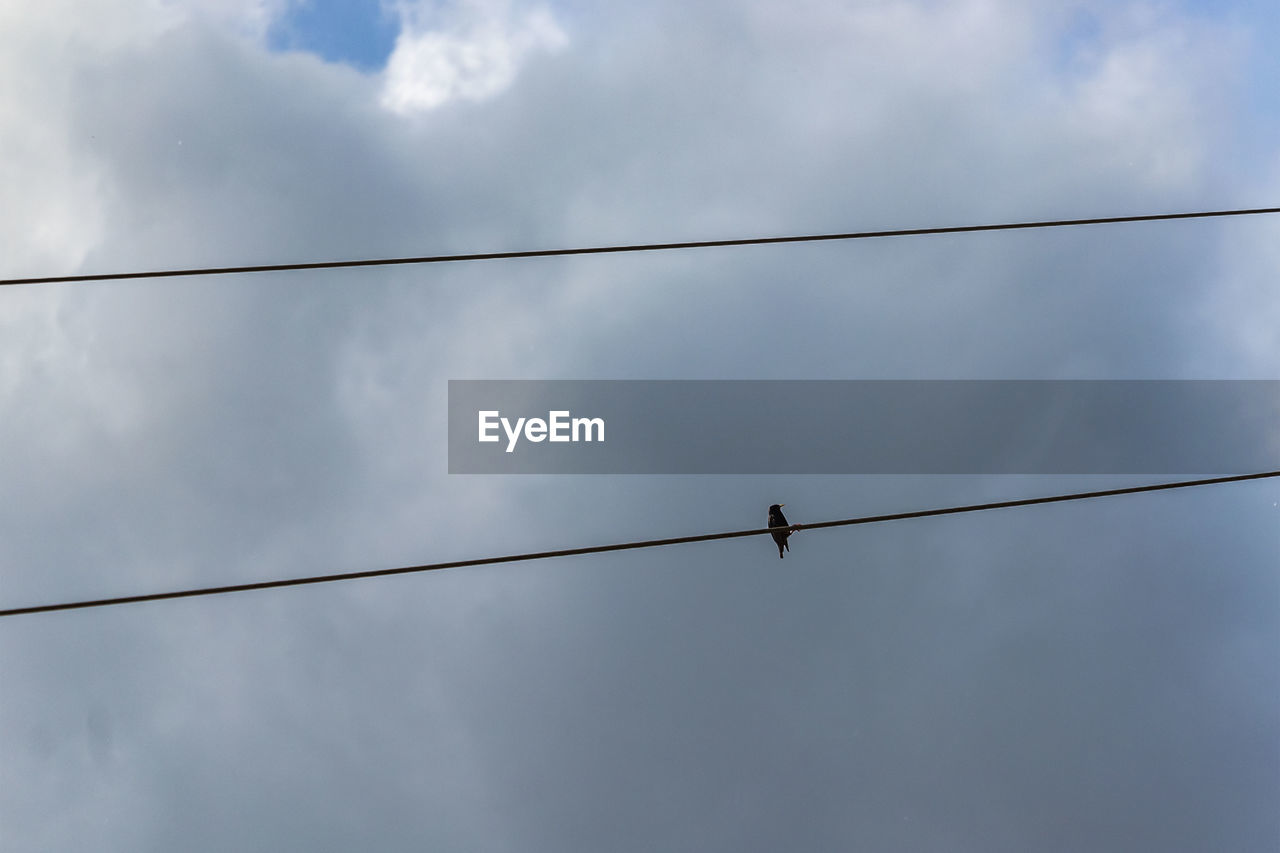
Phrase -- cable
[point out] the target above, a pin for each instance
(639, 247)
(627, 546)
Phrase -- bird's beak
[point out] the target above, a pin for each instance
(781, 505)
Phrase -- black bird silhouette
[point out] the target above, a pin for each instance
(777, 519)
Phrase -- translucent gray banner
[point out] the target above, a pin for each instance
(863, 427)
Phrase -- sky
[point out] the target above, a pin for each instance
(1094, 676)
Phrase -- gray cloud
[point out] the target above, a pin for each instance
(1093, 677)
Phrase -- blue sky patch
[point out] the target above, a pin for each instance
(360, 33)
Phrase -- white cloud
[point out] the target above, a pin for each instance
(250, 18)
(471, 50)
(50, 181)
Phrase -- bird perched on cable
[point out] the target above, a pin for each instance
(777, 519)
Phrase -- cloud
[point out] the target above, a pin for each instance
(976, 683)
(249, 18)
(469, 49)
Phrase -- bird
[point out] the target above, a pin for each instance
(777, 519)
